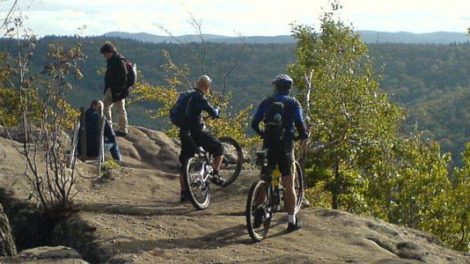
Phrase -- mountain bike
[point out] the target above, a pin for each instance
(265, 196)
(198, 170)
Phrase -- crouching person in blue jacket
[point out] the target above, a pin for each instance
(93, 117)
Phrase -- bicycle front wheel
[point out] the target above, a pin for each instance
(299, 186)
(233, 160)
(196, 185)
(258, 211)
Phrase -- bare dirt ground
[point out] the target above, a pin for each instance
(136, 218)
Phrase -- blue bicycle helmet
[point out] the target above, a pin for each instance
(283, 82)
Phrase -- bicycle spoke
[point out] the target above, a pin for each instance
(233, 160)
(259, 213)
(196, 184)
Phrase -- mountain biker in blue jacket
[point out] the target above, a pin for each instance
(281, 152)
(195, 133)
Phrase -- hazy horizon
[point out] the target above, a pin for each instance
(209, 33)
(231, 18)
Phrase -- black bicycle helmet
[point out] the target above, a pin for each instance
(283, 82)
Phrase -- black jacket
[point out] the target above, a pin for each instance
(93, 134)
(197, 105)
(116, 77)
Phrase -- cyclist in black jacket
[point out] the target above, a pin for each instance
(195, 133)
(281, 152)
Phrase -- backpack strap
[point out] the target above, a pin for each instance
(124, 63)
(188, 103)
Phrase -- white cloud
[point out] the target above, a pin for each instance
(250, 17)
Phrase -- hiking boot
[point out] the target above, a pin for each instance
(294, 227)
(258, 214)
(121, 134)
(217, 179)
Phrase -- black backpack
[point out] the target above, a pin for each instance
(131, 78)
(131, 69)
(274, 129)
(180, 112)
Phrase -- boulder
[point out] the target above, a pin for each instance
(153, 148)
(40, 255)
(7, 243)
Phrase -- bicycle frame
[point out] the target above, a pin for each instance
(267, 176)
(206, 167)
(262, 160)
(265, 198)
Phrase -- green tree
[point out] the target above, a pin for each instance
(455, 227)
(348, 112)
(357, 158)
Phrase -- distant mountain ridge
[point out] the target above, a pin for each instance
(366, 35)
(414, 38)
(151, 38)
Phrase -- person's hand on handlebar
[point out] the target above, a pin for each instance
(215, 114)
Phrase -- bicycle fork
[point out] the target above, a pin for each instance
(205, 172)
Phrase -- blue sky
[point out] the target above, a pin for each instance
(233, 17)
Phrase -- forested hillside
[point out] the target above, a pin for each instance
(431, 81)
(250, 81)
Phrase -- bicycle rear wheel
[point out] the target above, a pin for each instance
(299, 186)
(198, 188)
(258, 211)
(233, 160)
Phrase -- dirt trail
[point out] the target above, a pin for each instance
(136, 218)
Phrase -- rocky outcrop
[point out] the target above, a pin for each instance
(7, 243)
(137, 218)
(43, 255)
(149, 149)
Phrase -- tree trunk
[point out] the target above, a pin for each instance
(335, 199)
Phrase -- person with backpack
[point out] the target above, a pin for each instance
(281, 114)
(120, 76)
(92, 130)
(186, 114)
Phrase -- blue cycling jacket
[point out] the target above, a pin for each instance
(293, 115)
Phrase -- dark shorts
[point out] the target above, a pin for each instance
(191, 140)
(281, 154)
